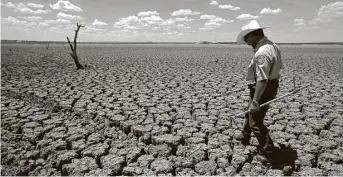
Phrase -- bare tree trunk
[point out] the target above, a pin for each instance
(73, 54)
(47, 45)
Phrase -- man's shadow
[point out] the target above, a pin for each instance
(285, 156)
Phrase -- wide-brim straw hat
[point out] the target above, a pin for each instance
(246, 29)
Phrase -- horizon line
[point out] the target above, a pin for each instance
(154, 42)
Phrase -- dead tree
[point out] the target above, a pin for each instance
(47, 45)
(73, 54)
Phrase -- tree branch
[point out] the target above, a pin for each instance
(47, 45)
(76, 32)
(71, 46)
(73, 54)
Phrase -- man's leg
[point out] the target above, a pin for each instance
(261, 132)
(256, 121)
(245, 136)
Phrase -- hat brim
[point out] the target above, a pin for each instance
(240, 37)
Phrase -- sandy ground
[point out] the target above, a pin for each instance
(163, 110)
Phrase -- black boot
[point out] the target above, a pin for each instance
(244, 139)
(271, 156)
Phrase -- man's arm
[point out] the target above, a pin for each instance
(259, 89)
(263, 64)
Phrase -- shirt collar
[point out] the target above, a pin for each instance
(260, 43)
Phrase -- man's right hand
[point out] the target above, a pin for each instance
(254, 106)
(246, 108)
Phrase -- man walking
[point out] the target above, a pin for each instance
(263, 82)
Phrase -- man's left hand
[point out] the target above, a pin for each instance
(254, 106)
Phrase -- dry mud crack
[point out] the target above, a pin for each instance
(163, 111)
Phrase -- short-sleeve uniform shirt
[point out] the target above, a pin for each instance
(266, 64)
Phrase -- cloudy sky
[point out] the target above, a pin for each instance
(171, 20)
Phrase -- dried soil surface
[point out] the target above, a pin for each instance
(162, 110)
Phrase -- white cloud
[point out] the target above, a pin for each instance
(148, 13)
(212, 24)
(213, 3)
(168, 22)
(171, 33)
(31, 18)
(130, 19)
(213, 21)
(128, 27)
(20, 7)
(144, 24)
(43, 24)
(182, 26)
(299, 22)
(55, 29)
(205, 29)
(214, 18)
(207, 17)
(178, 23)
(246, 17)
(185, 19)
(60, 29)
(125, 31)
(99, 23)
(184, 12)
(327, 13)
(91, 30)
(147, 21)
(59, 21)
(65, 6)
(9, 5)
(33, 5)
(135, 33)
(230, 7)
(331, 10)
(270, 11)
(13, 21)
(95, 29)
(68, 16)
(126, 21)
(156, 28)
(24, 9)
(151, 20)
(219, 19)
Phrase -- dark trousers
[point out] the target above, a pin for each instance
(254, 121)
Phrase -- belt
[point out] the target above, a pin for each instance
(271, 81)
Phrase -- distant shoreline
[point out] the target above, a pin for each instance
(150, 42)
